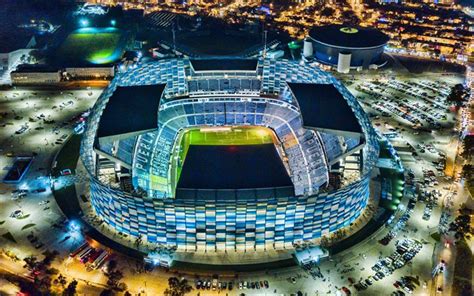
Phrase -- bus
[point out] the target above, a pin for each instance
(85, 252)
(100, 260)
(79, 249)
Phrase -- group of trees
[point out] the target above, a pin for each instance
(177, 287)
(461, 226)
(459, 95)
(41, 270)
(468, 147)
(114, 276)
(70, 289)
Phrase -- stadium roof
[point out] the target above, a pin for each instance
(233, 167)
(343, 36)
(224, 64)
(131, 109)
(11, 42)
(323, 107)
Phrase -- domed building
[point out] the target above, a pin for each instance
(348, 48)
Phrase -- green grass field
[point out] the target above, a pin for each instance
(93, 45)
(234, 136)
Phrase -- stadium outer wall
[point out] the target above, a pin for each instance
(360, 57)
(208, 223)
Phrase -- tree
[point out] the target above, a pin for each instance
(51, 271)
(111, 265)
(70, 289)
(468, 171)
(138, 241)
(61, 280)
(114, 277)
(177, 287)
(44, 285)
(49, 257)
(31, 262)
(122, 286)
(458, 95)
(462, 224)
(468, 147)
(327, 11)
(107, 292)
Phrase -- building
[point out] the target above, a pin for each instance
(348, 48)
(35, 74)
(133, 144)
(91, 72)
(13, 47)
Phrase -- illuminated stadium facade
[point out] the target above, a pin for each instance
(313, 180)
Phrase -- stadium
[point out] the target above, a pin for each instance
(228, 155)
(348, 47)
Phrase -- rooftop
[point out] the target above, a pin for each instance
(131, 109)
(233, 167)
(323, 107)
(224, 64)
(339, 35)
(43, 68)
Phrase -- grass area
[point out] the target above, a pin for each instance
(234, 136)
(361, 234)
(67, 201)
(67, 158)
(9, 236)
(93, 45)
(28, 226)
(436, 236)
(462, 284)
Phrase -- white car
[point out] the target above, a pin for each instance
(16, 214)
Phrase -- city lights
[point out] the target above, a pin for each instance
(236, 147)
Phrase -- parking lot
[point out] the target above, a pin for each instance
(418, 103)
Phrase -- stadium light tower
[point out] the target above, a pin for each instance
(84, 22)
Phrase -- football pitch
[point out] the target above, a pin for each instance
(221, 137)
(93, 45)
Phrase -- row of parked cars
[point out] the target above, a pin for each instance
(405, 284)
(33, 239)
(215, 284)
(419, 114)
(254, 285)
(406, 250)
(398, 226)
